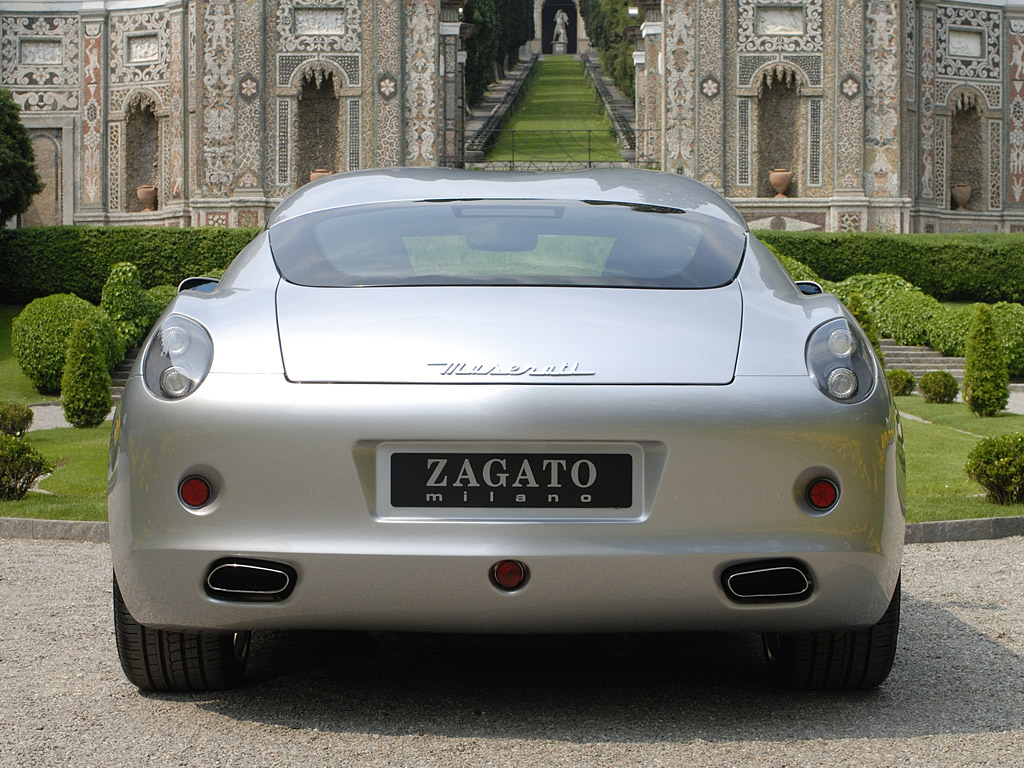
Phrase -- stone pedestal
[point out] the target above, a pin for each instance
(558, 49)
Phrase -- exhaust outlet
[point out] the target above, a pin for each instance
(767, 582)
(244, 580)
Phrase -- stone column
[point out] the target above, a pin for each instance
(449, 103)
(653, 87)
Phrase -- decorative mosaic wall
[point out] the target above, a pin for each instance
(881, 78)
(680, 62)
(421, 96)
(1016, 111)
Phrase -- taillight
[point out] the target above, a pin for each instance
(840, 361)
(822, 494)
(178, 358)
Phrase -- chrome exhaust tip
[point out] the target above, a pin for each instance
(245, 580)
(768, 581)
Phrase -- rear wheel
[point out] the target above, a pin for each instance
(829, 661)
(171, 660)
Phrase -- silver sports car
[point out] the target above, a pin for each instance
(429, 400)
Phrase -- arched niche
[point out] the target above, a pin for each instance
(544, 26)
(968, 150)
(141, 151)
(779, 133)
(323, 127)
(547, 24)
(45, 210)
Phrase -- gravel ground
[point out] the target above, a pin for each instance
(954, 698)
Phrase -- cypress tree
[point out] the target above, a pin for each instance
(986, 382)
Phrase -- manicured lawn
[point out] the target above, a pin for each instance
(77, 489)
(559, 119)
(937, 484)
(14, 385)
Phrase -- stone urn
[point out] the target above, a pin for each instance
(780, 180)
(961, 194)
(318, 173)
(147, 196)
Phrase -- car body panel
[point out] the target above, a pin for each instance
(527, 335)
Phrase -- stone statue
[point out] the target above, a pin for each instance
(561, 19)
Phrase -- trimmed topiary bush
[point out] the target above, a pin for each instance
(997, 465)
(949, 327)
(39, 336)
(901, 382)
(938, 387)
(127, 304)
(1009, 319)
(897, 308)
(986, 382)
(20, 466)
(15, 418)
(85, 386)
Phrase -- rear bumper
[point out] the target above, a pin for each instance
(294, 466)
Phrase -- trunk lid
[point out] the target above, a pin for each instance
(509, 335)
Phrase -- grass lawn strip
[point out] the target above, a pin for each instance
(560, 119)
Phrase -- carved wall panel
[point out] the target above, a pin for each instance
(40, 62)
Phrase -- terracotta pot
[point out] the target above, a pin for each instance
(961, 194)
(318, 173)
(780, 180)
(147, 196)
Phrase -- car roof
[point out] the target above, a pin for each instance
(619, 185)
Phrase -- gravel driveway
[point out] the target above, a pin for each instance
(956, 695)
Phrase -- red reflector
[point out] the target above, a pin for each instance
(194, 492)
(822, 494)
(509, 574)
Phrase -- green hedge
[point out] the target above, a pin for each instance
(970, 267)
(38, 261)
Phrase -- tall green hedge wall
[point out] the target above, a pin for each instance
(38, 261)
(986, 267)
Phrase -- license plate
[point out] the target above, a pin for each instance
(453, 477)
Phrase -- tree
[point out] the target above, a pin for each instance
(19, 182)
(606, 22)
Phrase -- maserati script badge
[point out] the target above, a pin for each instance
(466, 369)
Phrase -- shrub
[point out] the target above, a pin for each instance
(898, 309)
(938, 387)
(38, 261)
(15, 418)
(1009, 320)
(997, 465)
(986, 382)
(901, 382)
(39, 336)
(159, 297)
(85, 386)
(951, 267)
(20, 466)
(858, 308)
(948, 328)
(127, 304)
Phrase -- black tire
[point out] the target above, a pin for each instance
(857, 659)
(171, 660)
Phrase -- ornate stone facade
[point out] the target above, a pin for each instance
(203, 98)
(877, 106)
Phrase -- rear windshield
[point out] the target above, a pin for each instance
(507, 242)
